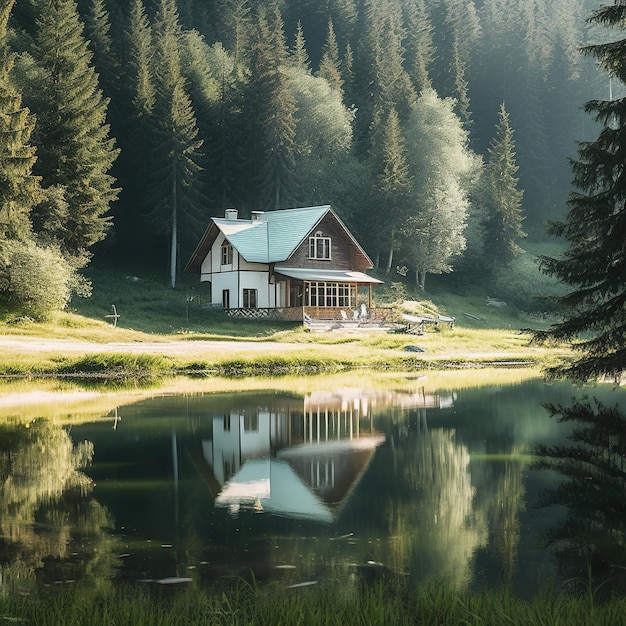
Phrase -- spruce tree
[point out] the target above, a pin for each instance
(394, 183)
(503, 210)
(330, 64)
(19, 189)
(300, 55)
(176, 157)
(594, 263)
(75, 151)
(270, 106)
(420, 49)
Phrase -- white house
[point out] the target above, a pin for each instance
(303, 259)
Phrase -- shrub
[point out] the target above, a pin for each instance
(38, 280)
(524, 286)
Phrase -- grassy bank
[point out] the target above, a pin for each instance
(241, 603)
(164, 332)
(146, 361)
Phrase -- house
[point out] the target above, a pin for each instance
(304, 261)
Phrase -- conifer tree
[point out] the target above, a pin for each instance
(594, 264)
(420, 49)
(330, 64)
(394, 183)
(383, 82)
(19, 189)
(98, 32)
(75, 151)
(175, 165)
(271, 108)
(503, 219)
(140, 84)
(300, 55)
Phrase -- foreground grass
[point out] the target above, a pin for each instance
(242, 603)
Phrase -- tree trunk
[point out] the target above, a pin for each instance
(174, 236)
(391, 243)
(420, 278)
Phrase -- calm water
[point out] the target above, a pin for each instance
(431, 480)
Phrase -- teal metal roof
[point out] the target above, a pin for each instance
(273, 236)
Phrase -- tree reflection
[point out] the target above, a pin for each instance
(45, 509)
(437, 521)
(593, 466)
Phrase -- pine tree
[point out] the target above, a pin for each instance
(177, 200)
(594, 264)
(503, 219)
(420, 49)
(19, 189)
(300, 55)
(394, 183)
(75, 150)
(271, 109)
(330, 64)
(105, 60)
(383, 82)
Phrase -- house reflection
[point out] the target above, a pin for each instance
(299, 458)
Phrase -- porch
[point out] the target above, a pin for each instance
(318, 315)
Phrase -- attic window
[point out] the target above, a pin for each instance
(319, 246)
(227, 254)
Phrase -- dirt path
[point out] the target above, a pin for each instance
(33, 345)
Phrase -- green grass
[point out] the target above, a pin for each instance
(153, 315)
(330, 603)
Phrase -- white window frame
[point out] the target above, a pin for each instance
(227, 254)
(320, 247)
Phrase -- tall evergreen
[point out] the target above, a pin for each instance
(382, 81)
(330, 63)
(300, 55)
(105, 59)
(75, 151)
(419, 43)
(594, 264)
(503, 219)
(19, 189)
(394, 183)
(175, 163)
(271, 109)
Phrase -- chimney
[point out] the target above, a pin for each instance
(231, 214)
(256, 215)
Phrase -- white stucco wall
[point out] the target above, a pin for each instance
(237, 277)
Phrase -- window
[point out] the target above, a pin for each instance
(226, 298)
(332, 294)
(319, 246)
(249, 298)
(227, 254)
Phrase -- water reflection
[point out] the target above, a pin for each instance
(45, 508)
(430, 480)
(299, 460)
(591, 540)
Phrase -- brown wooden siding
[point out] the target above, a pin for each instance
(344, 254)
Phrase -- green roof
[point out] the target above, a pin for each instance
(273, 236)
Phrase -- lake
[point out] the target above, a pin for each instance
(294, 480)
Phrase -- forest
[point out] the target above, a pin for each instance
(439, 130)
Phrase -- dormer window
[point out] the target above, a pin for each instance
(319, 246)
(227, 254)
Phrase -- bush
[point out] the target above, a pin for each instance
(38, 280)
(524, 286)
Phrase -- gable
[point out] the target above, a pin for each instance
(345, 252)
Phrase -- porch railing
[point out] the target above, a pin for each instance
(299, 314)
